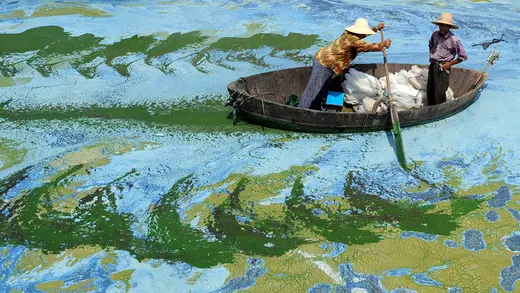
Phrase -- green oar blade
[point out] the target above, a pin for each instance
(399, 147)
(396, 126)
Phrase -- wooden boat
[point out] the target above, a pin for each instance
(260, 100)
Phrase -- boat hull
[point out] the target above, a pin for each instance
(262, 101)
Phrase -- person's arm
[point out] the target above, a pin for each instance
(363, 46)
(461, 56)
(379, 27)
(430, 46)
(448, 65)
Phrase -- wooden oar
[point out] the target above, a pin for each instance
(396, 126)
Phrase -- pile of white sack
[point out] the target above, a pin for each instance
(408, 89)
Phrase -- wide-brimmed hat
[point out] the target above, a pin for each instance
(360, 27)
(446, 18)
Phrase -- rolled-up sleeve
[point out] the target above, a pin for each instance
(461, 53)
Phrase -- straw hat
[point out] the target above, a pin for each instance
(446, 18)
(360, 27)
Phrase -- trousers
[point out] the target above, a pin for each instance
(438, 83)
(317, 87)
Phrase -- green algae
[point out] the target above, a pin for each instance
(174, 43)
(242, 49)
(33, 39)
(253, 28)
(351, 223)
(293, 41)
(124, 276)
(74, 46)
(207, 116)
(14, 14)
(52, 42)
(334, 227)
(10, 153)
(31, 221)
(171, 240)
(57, 9)
(134, 44)
(265, 237)
(49, 42)
(45, 47)
(11, 181)
(51, 286)
(6, 81)
(70, 45)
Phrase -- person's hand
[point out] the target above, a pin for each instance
(446, 66)
(380, 26)
(387, 43)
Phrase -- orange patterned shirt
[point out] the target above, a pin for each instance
(343, 50)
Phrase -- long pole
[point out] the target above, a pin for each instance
(396, 126)
(493, 57)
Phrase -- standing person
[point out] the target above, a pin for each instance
(444, 47)
(336, 57)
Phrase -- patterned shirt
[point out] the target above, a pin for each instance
(445, 48)
(343, 50)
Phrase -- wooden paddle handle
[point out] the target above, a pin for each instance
(386, 67)
(396, 127)
(393, 110)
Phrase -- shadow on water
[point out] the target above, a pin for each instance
(391, 140)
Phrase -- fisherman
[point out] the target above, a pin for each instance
(444, 47)
(336, 57)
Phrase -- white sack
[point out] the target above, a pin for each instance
(418, 77)
(422, 98)
(368, 105)
(408, 89)
(405, 97)
(449, 95)
(359, 85)
(401, 77)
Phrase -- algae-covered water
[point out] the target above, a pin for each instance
(122, 171)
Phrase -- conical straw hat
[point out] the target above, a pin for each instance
(446, 18)
(360, 27)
